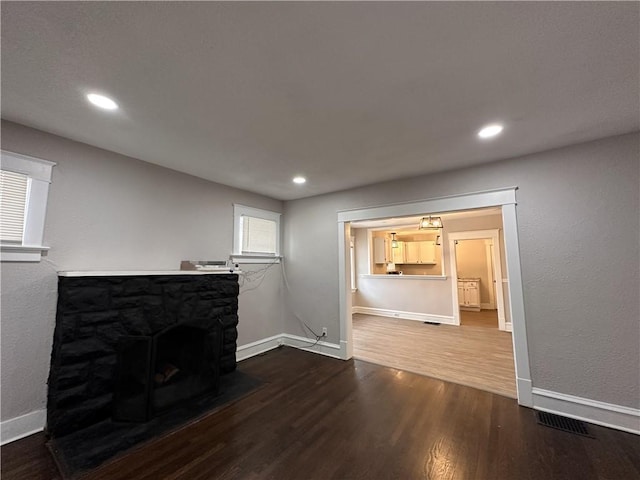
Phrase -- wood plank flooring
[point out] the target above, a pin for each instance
(479, 357)
(322, 418)
(483, 318)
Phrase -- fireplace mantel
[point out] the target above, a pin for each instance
(131, 273)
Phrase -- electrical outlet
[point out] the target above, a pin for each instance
(324, 331)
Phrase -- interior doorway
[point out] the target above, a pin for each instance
(506, 200)
(476, 272)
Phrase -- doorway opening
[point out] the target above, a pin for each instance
(477, 272)
(502, 199)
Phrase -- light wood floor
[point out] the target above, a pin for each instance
(478, 357)
(483, 318)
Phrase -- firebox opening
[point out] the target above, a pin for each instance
(156, 373)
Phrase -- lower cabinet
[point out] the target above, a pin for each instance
(469, 294)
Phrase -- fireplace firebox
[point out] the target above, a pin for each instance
(155, 373)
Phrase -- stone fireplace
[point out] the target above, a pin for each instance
(129, 346)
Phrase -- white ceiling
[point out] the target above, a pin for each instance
(347, 94)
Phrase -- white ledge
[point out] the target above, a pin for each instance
(129, 273)
(403, 277)
(21, 253)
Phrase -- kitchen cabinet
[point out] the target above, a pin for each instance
(469, 294)
(398, 253)
(381, 247)
(423, 252)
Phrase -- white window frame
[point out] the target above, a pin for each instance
(237, 256)
(39, 174)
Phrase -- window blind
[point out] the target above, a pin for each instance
(258, 235)
(13, 196)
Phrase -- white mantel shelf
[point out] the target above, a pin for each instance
(131, 273)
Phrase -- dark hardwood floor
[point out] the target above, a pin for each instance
(320, 418)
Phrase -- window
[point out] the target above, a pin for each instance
(256, 235)
(24, 189)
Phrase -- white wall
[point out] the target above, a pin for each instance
(110, 212)
(582, 308)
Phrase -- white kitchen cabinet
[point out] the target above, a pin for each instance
(469, 294)
(398, 253)
(423, 252)
(381, 252)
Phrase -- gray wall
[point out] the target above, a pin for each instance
(110, 212)
(578, 227)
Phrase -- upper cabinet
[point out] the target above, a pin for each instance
(413, 253)
(423, 252)
(398, 252)
(381, 250)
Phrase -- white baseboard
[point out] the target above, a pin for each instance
(606, 414)
(23, 426)
(303, 343)
(256, 348)
(420, 317)
(508, 327)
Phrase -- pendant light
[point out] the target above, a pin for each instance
(430, 223)
(394, 242)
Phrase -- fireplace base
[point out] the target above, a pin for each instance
(88, 448)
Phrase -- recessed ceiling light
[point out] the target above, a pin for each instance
(490, 130)
(299, 180)
(102, 101)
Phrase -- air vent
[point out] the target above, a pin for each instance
(562, 423)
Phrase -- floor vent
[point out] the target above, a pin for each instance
(563, 423)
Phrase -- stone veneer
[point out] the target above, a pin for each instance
(94, 311)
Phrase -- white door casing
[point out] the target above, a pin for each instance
(505, 198)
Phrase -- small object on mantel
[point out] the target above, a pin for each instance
(207, 265)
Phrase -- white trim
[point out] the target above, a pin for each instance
(258, 347)
(468, 201)
(262, 259)
(505, 198)
(488, 245)
(609, 415)
(494, 236)
(303, 343)
(516, 303)
(128, 273)
(21, 253)
(508, 327)
(23, 426)
(310, 345)
(35, 168)
(402, 277)
(420, 317)
(39, 172)
(344, 298)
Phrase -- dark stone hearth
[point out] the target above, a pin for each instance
(94, 313)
